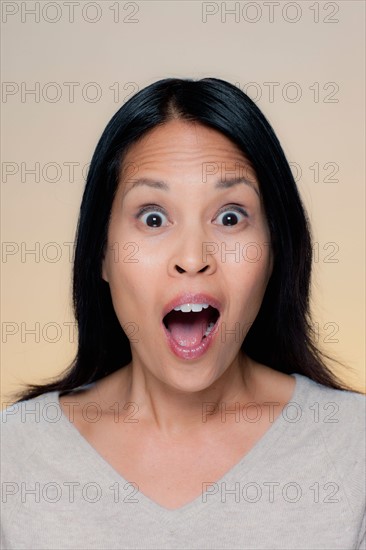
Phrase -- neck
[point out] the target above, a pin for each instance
(169, 411)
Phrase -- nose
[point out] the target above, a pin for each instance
(191, 255)
(182, 270)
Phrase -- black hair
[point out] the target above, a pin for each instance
(282, 335)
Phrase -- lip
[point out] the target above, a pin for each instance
(191, 298)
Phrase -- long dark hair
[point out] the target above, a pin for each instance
(282, 335)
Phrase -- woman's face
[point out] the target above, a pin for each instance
(178, 235)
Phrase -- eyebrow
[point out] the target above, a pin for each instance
(159, 184)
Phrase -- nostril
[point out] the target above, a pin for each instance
(181, 270)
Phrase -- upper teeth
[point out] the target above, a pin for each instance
(186, 308)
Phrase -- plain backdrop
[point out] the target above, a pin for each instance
(68, 67)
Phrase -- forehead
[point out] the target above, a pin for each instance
(186, 142)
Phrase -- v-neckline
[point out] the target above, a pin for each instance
(99, 464)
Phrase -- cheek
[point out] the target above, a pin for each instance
(248, 281)
(251, 259)
(132, 280)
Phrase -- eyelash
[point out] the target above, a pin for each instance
(156, 208)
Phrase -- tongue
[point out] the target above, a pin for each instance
(188, 329)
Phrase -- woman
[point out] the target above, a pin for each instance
(198, 413)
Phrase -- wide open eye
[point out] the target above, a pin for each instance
(230, 215)
(152, 215)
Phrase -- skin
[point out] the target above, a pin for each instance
(170, 391)
(158, 438)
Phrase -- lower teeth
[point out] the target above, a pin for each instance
(209, 328)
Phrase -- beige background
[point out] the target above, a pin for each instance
(319, 56)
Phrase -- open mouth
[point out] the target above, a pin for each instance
(190, 328)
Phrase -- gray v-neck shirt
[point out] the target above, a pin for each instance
(302, 485)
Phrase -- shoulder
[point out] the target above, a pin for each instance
(332, 406)
(23, 424)
(30, 411)
(313, 405)
(332, 423)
